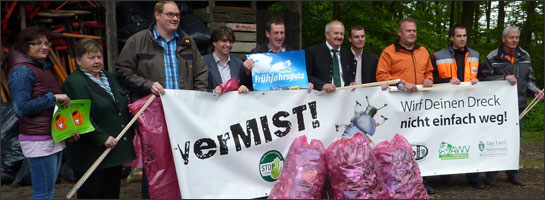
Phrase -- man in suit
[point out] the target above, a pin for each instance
(222, 66)
(366, 63)
(328, 65)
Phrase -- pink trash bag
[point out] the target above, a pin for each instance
(353, 170)
(157, 157)
(399, 170)
(304, 172)
(230, 85)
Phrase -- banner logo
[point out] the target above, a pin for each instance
(270, 165)
(420, 151)
(452, 152)
(493, 148)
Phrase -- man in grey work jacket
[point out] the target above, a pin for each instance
(512, 63)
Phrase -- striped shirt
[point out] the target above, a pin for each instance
(172, 79)
(104, 84)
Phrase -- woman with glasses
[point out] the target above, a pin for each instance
(35, 93)
(109, 115)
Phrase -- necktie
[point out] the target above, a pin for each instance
(336, 73)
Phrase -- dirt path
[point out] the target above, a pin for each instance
(531, 152)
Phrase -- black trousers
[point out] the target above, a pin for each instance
(510, 173)
(102, 184)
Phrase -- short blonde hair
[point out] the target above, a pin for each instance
(161, 4)
(87, 45)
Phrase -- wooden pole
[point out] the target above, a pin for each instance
(529, 107)
(370, 84)
(105, 153)
(442, 88)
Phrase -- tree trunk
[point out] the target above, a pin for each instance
(488, 8)
(467, 16)
(477, 12)
(452, 9)
(501, 15)
(526, 33)
(336, 10)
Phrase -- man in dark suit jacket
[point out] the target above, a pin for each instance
(221, 65)
(366, 63)
(325, 74)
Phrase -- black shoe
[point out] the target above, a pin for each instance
(490, 181)
(477, 185)
(429, 189)
(515, 179)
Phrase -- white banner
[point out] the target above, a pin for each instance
(233, 145)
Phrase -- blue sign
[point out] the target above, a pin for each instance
(279, 71)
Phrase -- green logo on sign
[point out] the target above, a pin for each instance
(481, 146)
(270, 165)
(451, 152)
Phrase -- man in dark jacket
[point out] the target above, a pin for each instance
(160, 57)
(366, 63)
(454, 64)
(512, 63)
(330, 66)
(275, 30)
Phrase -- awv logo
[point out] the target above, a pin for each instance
(452, 152)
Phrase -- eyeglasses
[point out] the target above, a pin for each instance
(171, 15)
(46, 44)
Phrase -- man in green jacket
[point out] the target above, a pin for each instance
(161, 57)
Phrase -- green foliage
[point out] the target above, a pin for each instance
(278, 6)
(533, 121)
(380, 18)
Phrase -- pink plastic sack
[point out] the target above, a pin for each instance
(399, 170)
(229, 85)
(304, 172)
(156, 154)
(353, 170)
(136, 163)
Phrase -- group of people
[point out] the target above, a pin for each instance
(164, 57)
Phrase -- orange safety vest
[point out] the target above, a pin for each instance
(447, 68)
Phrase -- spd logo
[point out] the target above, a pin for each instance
(420, 151)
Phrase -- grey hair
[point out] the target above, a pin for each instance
(509, 29)
(328, 25)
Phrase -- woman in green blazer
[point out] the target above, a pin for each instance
(109, 115)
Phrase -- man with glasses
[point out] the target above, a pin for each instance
(161, 57)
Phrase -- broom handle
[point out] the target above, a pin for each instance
(103, 155)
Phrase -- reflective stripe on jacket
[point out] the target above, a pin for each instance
(447, 68)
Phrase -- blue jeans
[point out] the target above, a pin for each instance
(44, 173)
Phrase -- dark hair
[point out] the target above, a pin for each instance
(28, 35)
(405, 20)
(356, 27)
(456, 26)
(87, 45)
(273, 21)
(219, 32)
